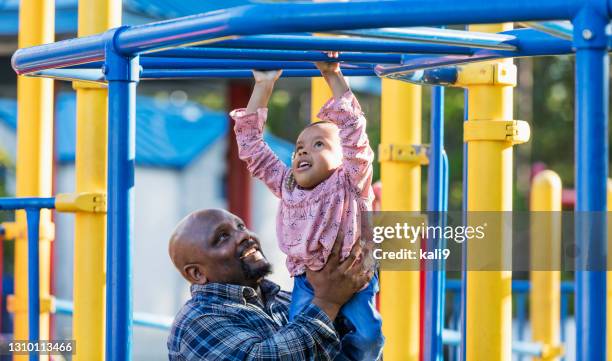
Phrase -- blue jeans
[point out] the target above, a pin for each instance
(363, 340)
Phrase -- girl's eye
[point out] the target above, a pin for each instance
(241, 227)
(319, 144)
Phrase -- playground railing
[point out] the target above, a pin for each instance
(520, 346)
(65, 202)
(32, 207)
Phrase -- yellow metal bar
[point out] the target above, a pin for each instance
(91, 161)
(319, 94)
(545, 236)
(401, 191)
(34, 160)
(489, 293)
(609, 276)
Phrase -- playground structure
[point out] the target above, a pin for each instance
(229, 43)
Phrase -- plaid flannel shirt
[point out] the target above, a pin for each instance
(229, 322)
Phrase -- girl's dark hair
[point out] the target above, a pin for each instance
(319, 122)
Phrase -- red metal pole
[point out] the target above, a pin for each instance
(238, 177)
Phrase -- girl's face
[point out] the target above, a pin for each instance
(317, 154)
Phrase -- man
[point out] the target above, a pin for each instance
(235, 313)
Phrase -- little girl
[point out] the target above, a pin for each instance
(323, 193)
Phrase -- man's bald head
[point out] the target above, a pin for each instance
(210, 246)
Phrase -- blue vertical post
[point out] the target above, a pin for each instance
(463, 323)
(122, 74)
(33, 219)
(591, 168)
(436, 205)
(520, 317)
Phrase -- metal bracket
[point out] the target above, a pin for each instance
(47, 304)
(408, 153)
(486, 74)
(512, 131)
(81, 202)
(550, 352)
(117, 66)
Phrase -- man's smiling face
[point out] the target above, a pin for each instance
(215, 246)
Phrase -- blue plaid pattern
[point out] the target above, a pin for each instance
(229, 322)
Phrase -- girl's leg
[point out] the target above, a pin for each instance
(301, 296)
(365, 340)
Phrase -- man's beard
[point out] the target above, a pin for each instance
(257, 272)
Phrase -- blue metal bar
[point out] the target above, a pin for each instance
(122, 76)
(560, 29)
(446, 76)
(445, 179)
(86, 75)
(520, 318)
(457, 324)
(464, 250)
(216, 73)
(33, 219)
(7, 204)
(591, 172)
(564, 312)
(530, 42)
(322, 43)
(518, 286)
(434, 278)
(282, 55)
(527, 348)
(452, 337)
(160, 322)
(440, 36)
(312, 17)
(157, 74)
(180, 64)
(295, 17)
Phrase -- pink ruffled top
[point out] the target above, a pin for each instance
(308, 221)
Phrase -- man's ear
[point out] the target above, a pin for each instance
(195, 274)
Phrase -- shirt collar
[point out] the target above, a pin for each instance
(235, 293)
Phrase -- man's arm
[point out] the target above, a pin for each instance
(310, 337)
